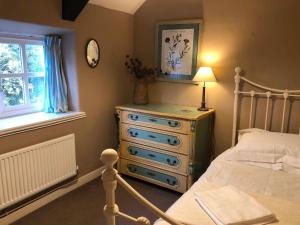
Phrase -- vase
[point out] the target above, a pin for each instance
(140, 93)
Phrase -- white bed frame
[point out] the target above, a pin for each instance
(109, 157)
(265, 92)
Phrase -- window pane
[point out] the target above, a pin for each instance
(36, 89)
(10, 58)
(13, 91)
(35, 58)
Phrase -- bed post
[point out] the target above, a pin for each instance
(110, 178)
(109, 157)
(237, 79)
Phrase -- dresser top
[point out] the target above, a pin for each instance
(178, 111)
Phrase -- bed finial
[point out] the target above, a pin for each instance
(109, 157)
(238, 70)
(143, 221)
(237, 79)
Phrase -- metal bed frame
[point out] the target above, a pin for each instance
(265, 92)
(109, 157)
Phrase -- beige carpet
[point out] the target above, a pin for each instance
(84, 205)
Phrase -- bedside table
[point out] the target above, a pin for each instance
(168, 145)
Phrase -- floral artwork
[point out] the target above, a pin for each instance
(177, 51)
(177, 44)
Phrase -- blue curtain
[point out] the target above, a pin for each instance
(55, 99)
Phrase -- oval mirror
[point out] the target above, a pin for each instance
(92, 53)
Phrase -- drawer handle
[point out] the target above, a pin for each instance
(151, 174)
(174, 124)
(172, 163)
(134, 117)
(133, 134)
(173, 143)
(151, 136)
(152, 155)
(133, 152)
(172, 183)
(152, 120)
(132, 169)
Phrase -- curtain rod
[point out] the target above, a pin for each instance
(18, 35)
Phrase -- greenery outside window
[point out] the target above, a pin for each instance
(22, 72)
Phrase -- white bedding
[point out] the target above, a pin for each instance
(277, 190)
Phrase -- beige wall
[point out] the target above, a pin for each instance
(100, 89)
(262, 36)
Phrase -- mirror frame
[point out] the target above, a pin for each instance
(86, 53)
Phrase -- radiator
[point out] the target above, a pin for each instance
(30, 170)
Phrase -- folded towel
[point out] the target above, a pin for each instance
(230, 206)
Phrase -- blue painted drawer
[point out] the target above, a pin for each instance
(154, 175)
(153, 136)
(175, 125)
(152, 156)
(155, 156)
(155, 120)
(156, 138)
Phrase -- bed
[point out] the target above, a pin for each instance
(277, 190)
(265, 165)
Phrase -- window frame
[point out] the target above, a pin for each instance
(27, 107)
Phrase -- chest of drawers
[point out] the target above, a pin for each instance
(168, 145)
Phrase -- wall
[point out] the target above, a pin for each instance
(262, 36)
(100, 89)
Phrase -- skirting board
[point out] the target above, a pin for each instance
(48, 198)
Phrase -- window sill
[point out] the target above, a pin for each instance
(33, 121)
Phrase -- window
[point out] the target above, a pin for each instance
(22, 72)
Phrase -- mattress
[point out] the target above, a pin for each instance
(276, 190)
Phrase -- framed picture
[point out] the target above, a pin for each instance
(177, 44)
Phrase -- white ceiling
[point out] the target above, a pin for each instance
(127, 6)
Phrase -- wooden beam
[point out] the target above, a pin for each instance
(72, 8)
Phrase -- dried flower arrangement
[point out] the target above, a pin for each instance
(143, 75)
(135, 67)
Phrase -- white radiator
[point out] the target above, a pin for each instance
(27, 171)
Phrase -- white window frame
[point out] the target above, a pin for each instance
(27, 107)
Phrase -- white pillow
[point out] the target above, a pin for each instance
(291, 164)
(266, 147)
(257, 157)
(249, 130)
(268, 142)
(291, 161)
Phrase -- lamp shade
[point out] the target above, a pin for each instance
(205, 74)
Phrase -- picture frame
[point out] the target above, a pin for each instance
(176, 49)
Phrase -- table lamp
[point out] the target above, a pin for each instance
(204, 74)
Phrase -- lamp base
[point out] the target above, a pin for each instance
(202, 109)
(203, 105)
